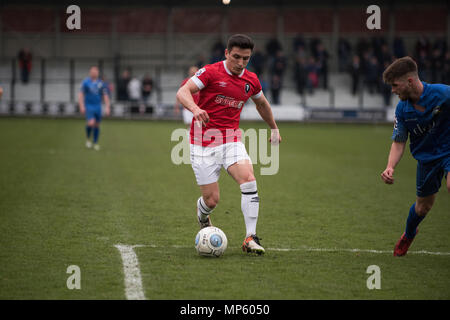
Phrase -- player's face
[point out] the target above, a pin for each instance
(93, 73)
(237, 59)
(402, 87)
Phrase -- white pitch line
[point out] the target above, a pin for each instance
(133, 280)
(358, 250)
(425, 252)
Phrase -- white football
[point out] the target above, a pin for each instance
(211, 241)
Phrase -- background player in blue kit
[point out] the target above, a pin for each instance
(90, 100)
(423, 114)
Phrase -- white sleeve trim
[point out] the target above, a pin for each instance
(258, 95)
(198, 82)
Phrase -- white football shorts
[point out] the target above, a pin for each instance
(208, 161)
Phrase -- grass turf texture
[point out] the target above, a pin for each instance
(61, 205)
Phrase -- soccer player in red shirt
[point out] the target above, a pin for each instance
(224, 88)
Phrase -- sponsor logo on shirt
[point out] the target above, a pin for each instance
(229, 101)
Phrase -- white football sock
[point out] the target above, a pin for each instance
(203, 211)
(250, 206)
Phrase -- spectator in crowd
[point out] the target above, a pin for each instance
(272, 47)
(376, 48)
(217, 52)
(122, 86)
(399, 48)
(423, 65)
(436, 65)
(344, 54)
(279, 64)
(300, 74)
(313, 45)
(257, 63)
(275, 88)
(372, 76)
(299, 43)
(355, 72)
(362, 46)
(1, 92)
(385, 88)
(312, 75)
(147, 88)
(385, 55)
(276, 76)
(422, 45)
(135, 89)
(25, 63)
(322, 64)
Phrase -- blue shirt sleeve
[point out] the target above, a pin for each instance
(83, 86)
(400, 133)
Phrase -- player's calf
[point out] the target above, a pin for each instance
(424, 205)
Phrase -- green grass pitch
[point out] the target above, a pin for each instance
(62, 205)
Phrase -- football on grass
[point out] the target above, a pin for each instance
(211, 242)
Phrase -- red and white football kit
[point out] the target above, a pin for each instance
(222, 96)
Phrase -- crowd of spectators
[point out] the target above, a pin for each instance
(364, 61)
(136, 91)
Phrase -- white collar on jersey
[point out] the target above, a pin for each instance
(229, 72)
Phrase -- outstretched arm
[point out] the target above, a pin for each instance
(107, 104)
(395, 154)
(81, 102)
(265, 111)
(184, 96)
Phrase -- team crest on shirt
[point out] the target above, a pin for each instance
(247, 88)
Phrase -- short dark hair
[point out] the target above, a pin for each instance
(240, 40)
(399, 68)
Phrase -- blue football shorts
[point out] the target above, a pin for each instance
(430, 174)
(94, 112)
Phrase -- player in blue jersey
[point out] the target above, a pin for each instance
(90, 101)
(423, 115)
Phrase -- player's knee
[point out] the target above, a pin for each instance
(249, 177)
(423, 209)
(211, 200)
